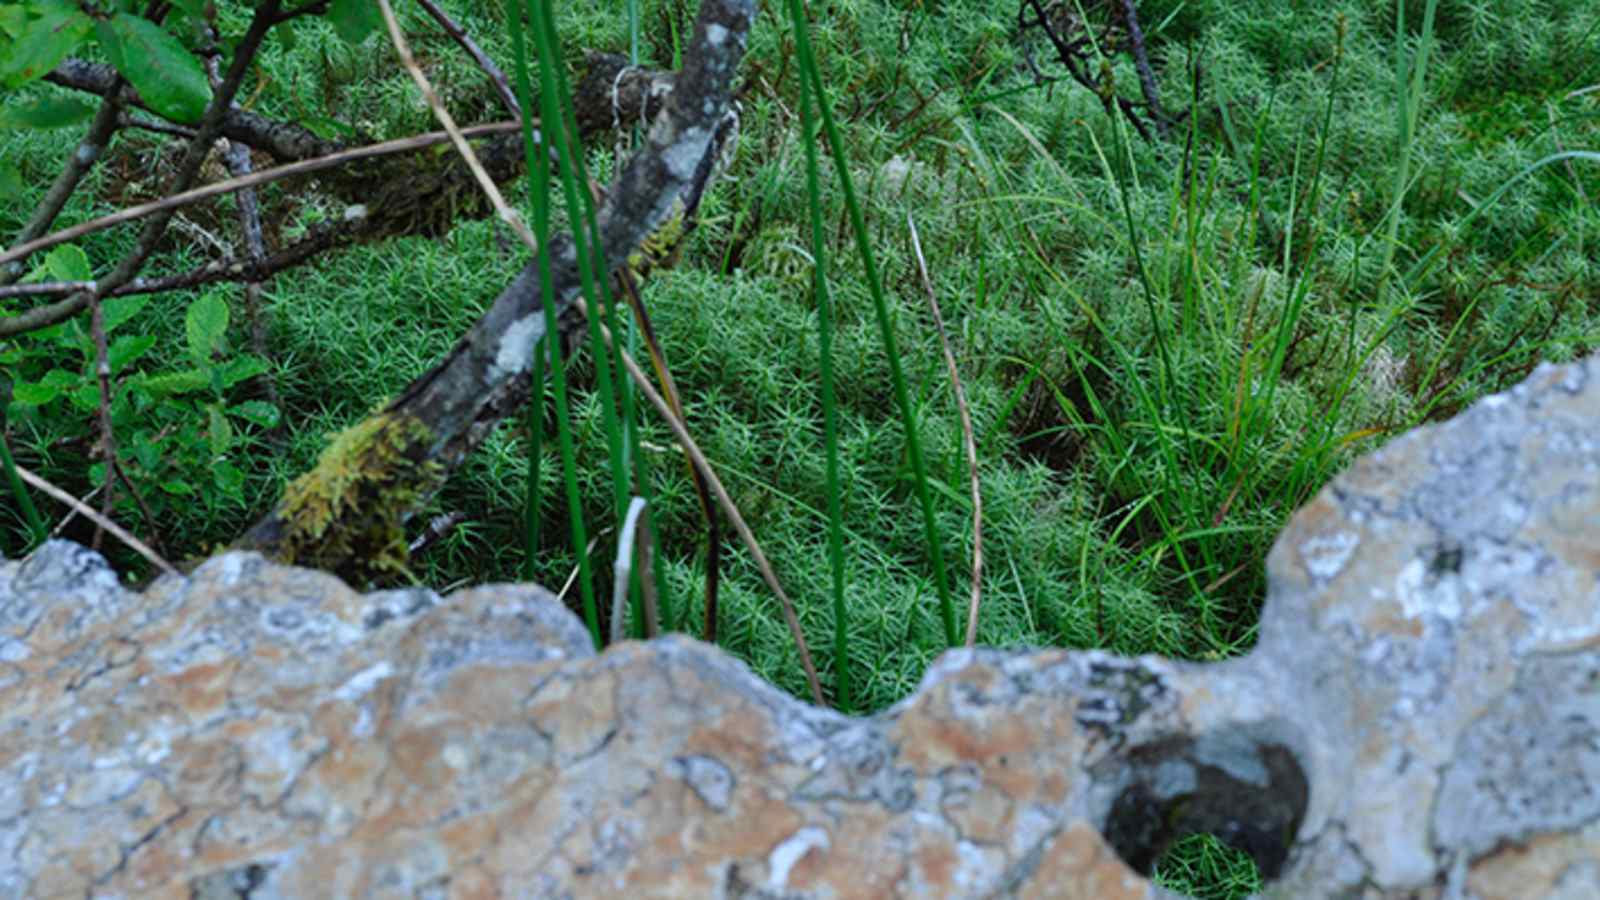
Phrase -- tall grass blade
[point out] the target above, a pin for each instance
(539, 191)
(31, 514)
(1409, 78)
(830, 412)
(560, 124)
(532, 505)
(807, 65)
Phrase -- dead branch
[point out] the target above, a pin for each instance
(433, 423)
(496, 77)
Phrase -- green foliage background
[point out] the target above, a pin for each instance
(1166, 349)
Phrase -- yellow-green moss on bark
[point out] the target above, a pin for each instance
(346, 514)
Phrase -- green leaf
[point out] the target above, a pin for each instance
(287, 37)
(86, 397)
(68, 263)
(164, 73)
(118, 310)
(220, 431)
(10, 180)
(60, 378)
(12, 20)
(354, 20)
(206, 324)
(242, 367)
(229, 478)
(259, 413)
(45, 389)
(145, 451)
(177, 488)
(41, 41)
(125, 350)
(46, 112)
(170, 384)
(33, 394)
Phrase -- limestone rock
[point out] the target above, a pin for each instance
(1421, 718)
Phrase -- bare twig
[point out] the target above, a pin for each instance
(116, 530)
(1141, 62)
(144, 508)
(572, 576)
(708, 509)
(128, 120)
(966, 434)
(431, 97)
(46, 288)
(693, 450)
(108, 437)
(285, 141)
(501, 85)
(438, 527)
(216, 189)
(78, 164)
(43, 317)
(1073, 39)
(237, 158)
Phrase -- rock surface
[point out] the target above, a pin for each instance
(1421, 718)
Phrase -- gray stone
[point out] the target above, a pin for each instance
(1420, 719)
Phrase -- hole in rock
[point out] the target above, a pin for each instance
(1174, 807)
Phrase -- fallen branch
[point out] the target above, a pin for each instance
(347, 514)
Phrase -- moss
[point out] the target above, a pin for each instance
(345, 515)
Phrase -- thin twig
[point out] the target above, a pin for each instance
(708, 509)
(701, 463)
(966, 434)
(437, 529)
(46, 288)
(78, 164)
(573, 575)
(108, 437)
(128, 120)
(501, 85)
(144, 508)
(431, 97)
(303, 167)
(116, 530)
(237, 158)
(1141, 62)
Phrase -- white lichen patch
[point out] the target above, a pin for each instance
(515, 353)
(363, 681)
(1418, 597)
(789, 852)
(1325, 556)
(683, 157)
(716, 34)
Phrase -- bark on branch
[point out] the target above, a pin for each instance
(346, 515)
